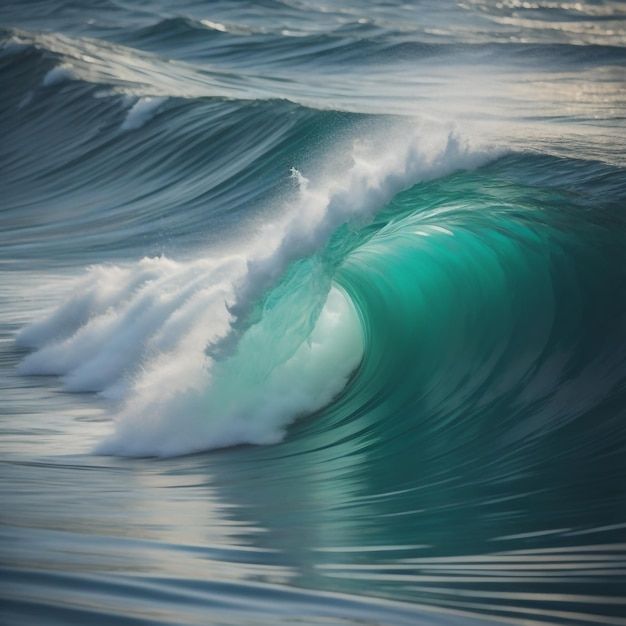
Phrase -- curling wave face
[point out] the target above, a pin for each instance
(214, 353)
(460, 311)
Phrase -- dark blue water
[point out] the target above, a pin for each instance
(312, 312)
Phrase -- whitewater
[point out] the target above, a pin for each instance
(313, 313)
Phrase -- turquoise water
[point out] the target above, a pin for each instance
(312, 313)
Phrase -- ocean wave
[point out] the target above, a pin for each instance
(197, 331)
(435, 290)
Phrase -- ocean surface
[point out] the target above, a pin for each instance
(312, 312)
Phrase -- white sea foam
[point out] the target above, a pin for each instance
(142, 111)
(13, 45)
(379, 169)
(140, 333)
(214, 26)
(118, 317)
(57, 75)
